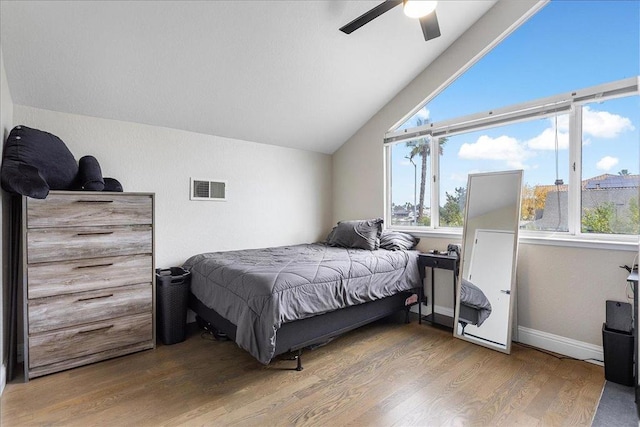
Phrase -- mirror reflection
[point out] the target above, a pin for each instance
(486, 289)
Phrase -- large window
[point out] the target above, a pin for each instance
(580, 153)
(580, 156)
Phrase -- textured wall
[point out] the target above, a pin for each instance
(276, 195)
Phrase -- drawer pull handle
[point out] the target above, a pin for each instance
(95, 265)
(88, 331)
(90, 298)
(94, 233)
(94, 201)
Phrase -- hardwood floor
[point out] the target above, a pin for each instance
(387, 373)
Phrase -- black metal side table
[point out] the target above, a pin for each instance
(433, 261)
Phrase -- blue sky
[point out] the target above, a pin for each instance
(568, 45)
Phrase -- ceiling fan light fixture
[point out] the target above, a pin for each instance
(418, 8)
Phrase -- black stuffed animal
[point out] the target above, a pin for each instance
(35, 162)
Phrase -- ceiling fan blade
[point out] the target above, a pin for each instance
(430, 27)
(370, 15)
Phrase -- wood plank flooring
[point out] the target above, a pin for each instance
(385, 374)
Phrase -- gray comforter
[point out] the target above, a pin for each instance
(260, 289)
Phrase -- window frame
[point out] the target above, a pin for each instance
(571, 103)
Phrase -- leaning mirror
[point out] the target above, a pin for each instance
(486, 290)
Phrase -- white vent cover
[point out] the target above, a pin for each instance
(202, 189)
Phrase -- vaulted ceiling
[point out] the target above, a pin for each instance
(274, 72)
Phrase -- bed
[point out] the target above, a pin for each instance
(277, 300)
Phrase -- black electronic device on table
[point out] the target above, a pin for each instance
(453, 249)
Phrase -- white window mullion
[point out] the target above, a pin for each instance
(434, 182)
(575, 170)
(387, 185)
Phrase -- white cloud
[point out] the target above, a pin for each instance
(547, 140)
(423, 114)
(598, 124)
(502, 148)
(602, 124)
(563, 122)
(606, 163)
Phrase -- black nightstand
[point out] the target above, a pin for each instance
(433, 261)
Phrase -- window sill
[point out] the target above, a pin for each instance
(622, 243)
(618, 243)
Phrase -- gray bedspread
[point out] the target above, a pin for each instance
(260, 289)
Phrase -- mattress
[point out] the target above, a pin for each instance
(260, 289)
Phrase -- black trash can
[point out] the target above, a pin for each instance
(172, 294)
(618, 356)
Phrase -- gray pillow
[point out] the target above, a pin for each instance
(360, 234)
(397, 240)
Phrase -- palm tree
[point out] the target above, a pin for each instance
(624, 172)
(421, 147)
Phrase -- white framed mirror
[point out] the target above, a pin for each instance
(485, 294)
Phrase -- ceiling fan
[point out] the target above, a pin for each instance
(424, 10)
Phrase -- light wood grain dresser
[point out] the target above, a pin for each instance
(88, 277)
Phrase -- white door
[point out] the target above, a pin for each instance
(494, 279)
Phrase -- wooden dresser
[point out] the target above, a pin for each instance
(88, 278)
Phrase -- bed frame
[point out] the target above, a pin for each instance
(297, 335)
(468, 316)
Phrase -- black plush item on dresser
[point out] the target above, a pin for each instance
(112, 184)
(35, 162)
(90, 174)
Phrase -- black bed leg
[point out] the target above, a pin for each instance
(407, 319)
(299, 358)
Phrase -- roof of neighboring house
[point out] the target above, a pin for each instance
(611, 181)
(604, 181)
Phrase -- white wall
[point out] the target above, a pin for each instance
(6, 123)
(561, 290)
(276, 195)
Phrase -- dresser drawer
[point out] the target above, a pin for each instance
(82, 341)
(57, 278)
(64, 244)
(89, 209)
(48, 314)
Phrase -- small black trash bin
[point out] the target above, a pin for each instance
(172, 294)
(618, 356)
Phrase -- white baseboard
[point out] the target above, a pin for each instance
(3, 378)
(542, 340)
(561, 345)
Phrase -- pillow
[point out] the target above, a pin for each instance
(360, 234)
(396, 240)
(34, 162)
(90, 174)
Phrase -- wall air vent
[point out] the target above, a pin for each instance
(202, 189)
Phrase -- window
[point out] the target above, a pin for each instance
(531, 145)
(555, 141)
(610, 180)
(569, 150)
(410, 174)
